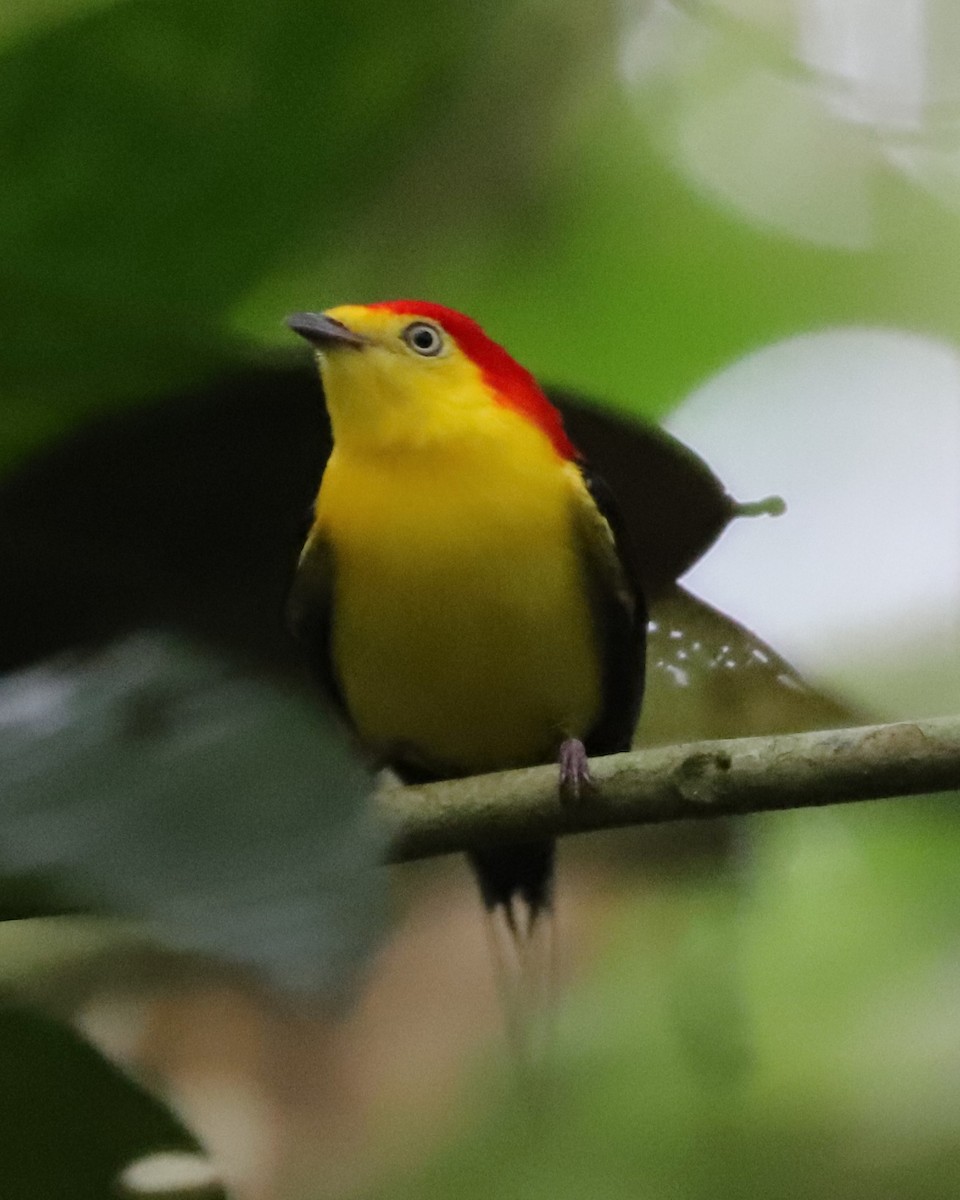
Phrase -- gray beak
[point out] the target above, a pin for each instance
(323, 331)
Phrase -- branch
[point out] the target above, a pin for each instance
(673, 783)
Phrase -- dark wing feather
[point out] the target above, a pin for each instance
(310, 616)
(310, 607)
(618, 611)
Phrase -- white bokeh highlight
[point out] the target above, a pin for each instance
(793, 114)
(858, 584)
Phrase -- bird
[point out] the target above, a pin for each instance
(465, 596)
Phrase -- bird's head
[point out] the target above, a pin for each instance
(407, 373)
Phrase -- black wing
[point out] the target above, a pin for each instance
(619, 614)
(310, 620)
(310, 616)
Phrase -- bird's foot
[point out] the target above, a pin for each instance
(575, 776)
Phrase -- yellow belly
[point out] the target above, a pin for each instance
(461, 634)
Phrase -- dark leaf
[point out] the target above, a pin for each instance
(709, 677)
(673, 505)
(71, 1123)
(184, 514)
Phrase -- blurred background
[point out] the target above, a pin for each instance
(737, 218)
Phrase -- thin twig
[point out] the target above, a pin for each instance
(672, 783)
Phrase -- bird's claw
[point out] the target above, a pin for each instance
(575, 776)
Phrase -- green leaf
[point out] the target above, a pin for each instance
(155, 780)
(23, 18)
(71, 1123)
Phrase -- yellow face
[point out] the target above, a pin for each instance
(406, 384)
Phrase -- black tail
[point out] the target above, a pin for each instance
(516, 883)
(518, 880)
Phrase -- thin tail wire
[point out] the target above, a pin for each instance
(516, 884)
(524, 951)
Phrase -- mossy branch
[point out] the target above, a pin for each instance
(673, 783)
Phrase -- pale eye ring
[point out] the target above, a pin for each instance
(423, 338)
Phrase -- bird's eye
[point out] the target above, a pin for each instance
(423, 338)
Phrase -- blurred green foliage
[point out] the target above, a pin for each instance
(177, 176)
(142, 782)
(793, 1036)
(70, 1123)
(159, 157)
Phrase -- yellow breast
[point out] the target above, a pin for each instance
(461, 633)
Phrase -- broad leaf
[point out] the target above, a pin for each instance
(72, 1124)
(159, 782)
